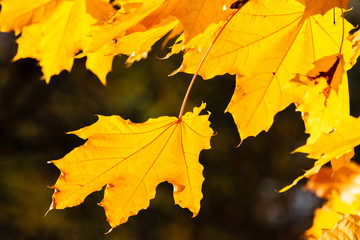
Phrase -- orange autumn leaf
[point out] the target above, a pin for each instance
(348, 228)
(99, 10)
(344, 160)
(341, 189)
(131, 159)
(323, 219)
(344, 181)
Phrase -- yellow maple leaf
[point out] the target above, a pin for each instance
(141, 42)
(52, 31)
(119, 25)
(330, 214)
(323, 219)
(131, 159)
(326, 100)
(135, 32)
(55, 40)
(265, 45)
(336, 162)
(17, 14)
(324, 106)
(136, 45)
(131, 31)
(337, 147)
(342, 140)
(61, 36)
(194, 15)
(100, 62)
(265, 36)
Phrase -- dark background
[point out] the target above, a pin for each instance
(239, 202)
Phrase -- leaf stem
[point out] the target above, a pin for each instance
(343, 29)
(201, 63)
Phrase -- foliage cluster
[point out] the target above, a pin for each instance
(281, 52)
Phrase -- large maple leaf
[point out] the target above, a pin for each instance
(265, 43)
(131, 159)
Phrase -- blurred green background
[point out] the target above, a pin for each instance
(239, 201)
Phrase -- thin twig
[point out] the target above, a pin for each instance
(201, 63)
